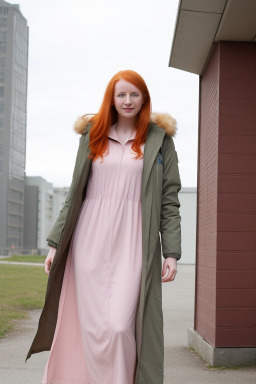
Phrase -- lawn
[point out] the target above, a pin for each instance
(21, 288)
(26, 258)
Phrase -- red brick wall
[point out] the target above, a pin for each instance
(236, 223)
(226, 243)
(207, 201)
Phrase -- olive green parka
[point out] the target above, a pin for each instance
(161, 236)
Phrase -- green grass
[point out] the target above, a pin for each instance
(22, 288)
(26, 258)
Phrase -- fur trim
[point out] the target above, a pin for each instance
(81, 123)
(163, 120)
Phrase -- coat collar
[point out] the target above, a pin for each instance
(160, 124)
(162, 120)
(113, 135)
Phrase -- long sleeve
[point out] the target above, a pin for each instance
(55, 233)
(170, 216)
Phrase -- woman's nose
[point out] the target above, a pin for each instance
(127, 100)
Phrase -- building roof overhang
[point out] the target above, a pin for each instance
(202, 23)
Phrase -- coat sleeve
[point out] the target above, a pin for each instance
(170, 215)
(55, 233)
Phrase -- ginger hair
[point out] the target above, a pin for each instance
(107, 116)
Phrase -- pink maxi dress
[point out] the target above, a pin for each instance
(94, 340)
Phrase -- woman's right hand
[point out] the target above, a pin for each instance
(49, 259)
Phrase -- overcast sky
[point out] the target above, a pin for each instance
(75, 47)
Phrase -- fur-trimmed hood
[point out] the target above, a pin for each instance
(163, 120)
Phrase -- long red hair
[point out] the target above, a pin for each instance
(107, 116)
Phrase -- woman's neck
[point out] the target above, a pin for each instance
(125, 125)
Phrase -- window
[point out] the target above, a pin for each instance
(3, 22)
(2, 63)
(2, 48)
(3, 10)
(1, 152)
(3, 36)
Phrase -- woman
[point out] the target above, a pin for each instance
(102, 317)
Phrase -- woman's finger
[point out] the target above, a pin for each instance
(49, 259)
(47, 265)
(171, 275)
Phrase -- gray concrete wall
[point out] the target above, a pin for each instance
(30, 217)
(13, 104)
(188, 197)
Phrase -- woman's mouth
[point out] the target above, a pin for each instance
(128, 109)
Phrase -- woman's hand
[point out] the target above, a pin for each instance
(49, 259)
(169, 267)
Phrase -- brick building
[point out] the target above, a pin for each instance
(216, 40)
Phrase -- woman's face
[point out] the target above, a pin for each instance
(128, 99)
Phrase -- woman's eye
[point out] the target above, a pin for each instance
(121, 95)
(135, 94)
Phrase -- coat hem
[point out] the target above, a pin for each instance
(33, 351)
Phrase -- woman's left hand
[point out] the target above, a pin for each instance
(170, 266)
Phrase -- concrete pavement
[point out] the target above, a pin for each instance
(22, 263)
(182, 365)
